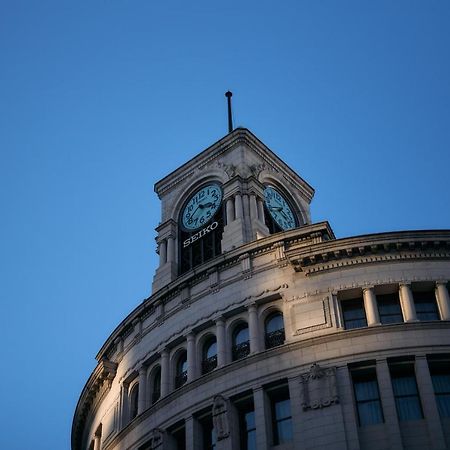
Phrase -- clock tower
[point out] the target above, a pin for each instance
(232, 193)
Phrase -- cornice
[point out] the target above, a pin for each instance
(96, 388)
(368, 249)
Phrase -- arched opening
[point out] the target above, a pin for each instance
(134, 396)
(274, 330)
(181, 370)
(156, 384)
(240, 343)
(209, 355)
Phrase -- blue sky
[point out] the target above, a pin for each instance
(101, 99)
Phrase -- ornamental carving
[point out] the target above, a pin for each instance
(221, 417)
(319, 388)
(157, 439)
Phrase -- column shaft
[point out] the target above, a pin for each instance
(239, 213)
(191, 360)
(388, 404)
(428, 399)
(162, 252)
(443, 300)
(230, 210)
(407, 303)
(170, 249)
(253, 207)
(259, 400)
(253, 329)
(370, 305)
(260, 210)
(221, 344)
(165, 373)
(142, 395)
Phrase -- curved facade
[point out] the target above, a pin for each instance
(265, 331)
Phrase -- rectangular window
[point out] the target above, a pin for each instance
(367, 396)
(209, 438)
(425, 303)
(246, 415)
(406, 395)
(389, 309)
(280, 405)
(354, 314)
(440, 375)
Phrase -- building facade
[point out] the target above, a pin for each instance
(264, 331)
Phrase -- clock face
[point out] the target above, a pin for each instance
(201, 207)
(279, 209)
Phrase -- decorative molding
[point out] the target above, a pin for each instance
(98, 385)
(325, 317)
(221, 419)
(319, 388)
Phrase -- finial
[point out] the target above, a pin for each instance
(228, 95)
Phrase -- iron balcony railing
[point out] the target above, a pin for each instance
(275, 338)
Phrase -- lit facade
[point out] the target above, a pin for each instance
(265, 331)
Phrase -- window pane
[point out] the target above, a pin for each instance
(370, 413)
(241, 335)
(389, 308)
(367, 397)
(211, 350)
(366, 390)
(282, 409)
(425, 303)
(354, 315)
(405, 392)
(285, 431)
(440, 374)
(274, 323)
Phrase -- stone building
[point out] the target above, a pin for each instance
(265, 331)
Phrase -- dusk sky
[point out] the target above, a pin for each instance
(101, 99)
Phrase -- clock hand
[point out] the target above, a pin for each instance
(275, 208)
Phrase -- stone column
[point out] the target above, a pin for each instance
(162, 253)
(443, 299)
(142, 394)
(297, 414)
(253, 328)
(193, 433)
(239, 212)
(97, 440)
(260, 210)
(165, 373)
(388, 403)
(370, 305)
(259, 400)
(246, 205)
(221, 342)
(230, 210)
(170, 249)
(191, 359)
(253, 207)
(428, 399)
(123, 413)
(407, 303)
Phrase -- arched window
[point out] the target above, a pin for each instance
(134, 396)
(209, 355)
(241, 343)
(181, 370)
(274, 330)
(156, 385)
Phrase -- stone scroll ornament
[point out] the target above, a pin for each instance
(157, 439)
(221, 417)
(319, 388)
